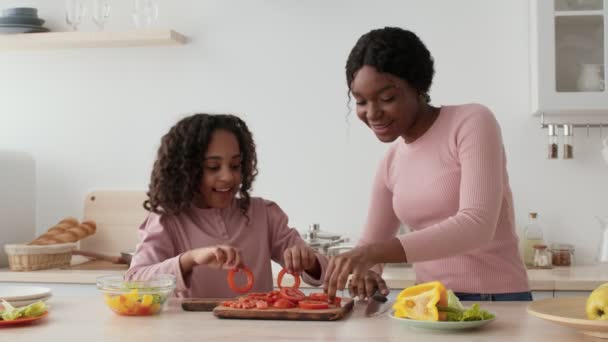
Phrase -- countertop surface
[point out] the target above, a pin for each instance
(575, 278)
(88, 319)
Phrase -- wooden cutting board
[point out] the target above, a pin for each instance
(295, 314)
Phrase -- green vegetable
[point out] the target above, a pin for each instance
(11, 313)
(456, 312)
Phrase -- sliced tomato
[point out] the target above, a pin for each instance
(296, 279)
(292, 294)
(313, 305)
(260, 304)
(323, 297)
(283, 303)
(247, 286)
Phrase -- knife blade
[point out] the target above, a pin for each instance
(376, 304)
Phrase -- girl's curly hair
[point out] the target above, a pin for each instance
(395, 51)
(178, 168)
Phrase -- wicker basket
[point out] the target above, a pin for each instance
(30, 258)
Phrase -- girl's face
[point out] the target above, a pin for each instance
(385, 103)
(221, 170)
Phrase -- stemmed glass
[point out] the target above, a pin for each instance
(101, 12)
(74, 12)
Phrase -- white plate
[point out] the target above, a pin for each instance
(20, 303)
(442, 325)
(19, 293)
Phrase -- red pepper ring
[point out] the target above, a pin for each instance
(247, 286)
(296, 278)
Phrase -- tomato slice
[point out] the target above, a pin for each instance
(313, 305)
(260, 304)
(296, 278)
(292, 294)
(322, 297)
(247, 286)
(283, 303)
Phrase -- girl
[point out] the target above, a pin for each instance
(203, 220)
(445, 177)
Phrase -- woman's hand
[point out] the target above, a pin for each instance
(358, 262)
(367, 285)
(301, 258)
(220, 256)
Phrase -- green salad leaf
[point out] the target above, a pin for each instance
(456, 312)
(10, 313)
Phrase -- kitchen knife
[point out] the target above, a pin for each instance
(376, 304)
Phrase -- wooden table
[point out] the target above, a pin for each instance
(88, 319)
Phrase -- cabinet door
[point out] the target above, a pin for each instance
(568, 46)
(572, 294)
(537, 295)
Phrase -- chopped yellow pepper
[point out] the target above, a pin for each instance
(420, 302)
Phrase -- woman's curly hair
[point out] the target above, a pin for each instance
(395, 51)
(177, 173)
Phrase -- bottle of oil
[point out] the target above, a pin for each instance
(533, 235)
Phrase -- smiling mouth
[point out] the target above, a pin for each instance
(381, 126)
(222, 190)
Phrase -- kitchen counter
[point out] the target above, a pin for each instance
(88, 319)
(576, 278)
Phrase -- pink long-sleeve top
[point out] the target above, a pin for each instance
(264, 238)
(450, 187)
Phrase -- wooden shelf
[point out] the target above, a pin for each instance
(103, 39)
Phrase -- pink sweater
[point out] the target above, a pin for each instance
(451, 188)
(164, 238)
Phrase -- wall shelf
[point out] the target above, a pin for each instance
(78, 39)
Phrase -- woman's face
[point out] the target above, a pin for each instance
(385, 103)
(221, 170)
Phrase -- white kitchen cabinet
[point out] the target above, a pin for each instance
(568, 57)
(572, 294)
(536, 295)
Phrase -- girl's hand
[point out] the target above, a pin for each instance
(301, 258)
(220, 256)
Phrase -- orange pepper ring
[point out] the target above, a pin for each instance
(247, 286)
(296, 278)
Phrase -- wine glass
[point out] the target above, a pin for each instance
(145, 13)
(74, 12)
(101, 12)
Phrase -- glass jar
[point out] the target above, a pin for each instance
(562, 254)
(542, 257)
(552, 143)
(568, 142)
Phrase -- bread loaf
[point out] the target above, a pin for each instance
(66, 230)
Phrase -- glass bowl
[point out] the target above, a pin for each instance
(136, 297)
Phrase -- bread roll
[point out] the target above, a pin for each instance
(66, 230)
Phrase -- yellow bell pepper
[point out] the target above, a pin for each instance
(420, 302)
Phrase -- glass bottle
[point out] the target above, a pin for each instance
(533, 235)
(568, 142)
(552, 143)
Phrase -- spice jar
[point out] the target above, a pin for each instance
(568, 142)
(542, 256)
(562, 254)
(552, 143)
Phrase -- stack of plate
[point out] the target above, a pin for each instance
(21, 20)
(19, 296)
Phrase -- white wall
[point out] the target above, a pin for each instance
(93, 118)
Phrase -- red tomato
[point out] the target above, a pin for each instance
(313, 305)
(234, 287)
(260, 304)
(292, 294)
(296, 278)
(283, 303)
(322, 297)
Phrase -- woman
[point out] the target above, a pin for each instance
(445, 177)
